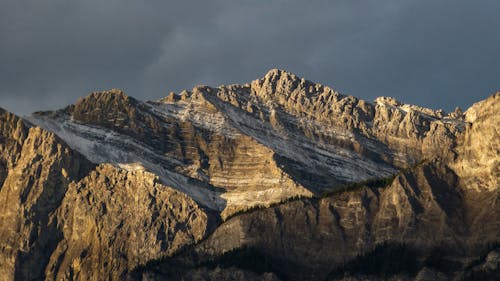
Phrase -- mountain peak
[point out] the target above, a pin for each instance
(276, 74)
(482, 107)
(106, 95)
(169, 172)
(100, 106)
(387, 100)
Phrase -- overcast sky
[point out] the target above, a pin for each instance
(436, 53)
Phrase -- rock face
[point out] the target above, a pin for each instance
(114, 220)
(61, 220)
(40, 168)
(308, 238)
(189, 145)
(410, 132)
(478, 163)
(278, 179)
(13, 132)
(292, 137)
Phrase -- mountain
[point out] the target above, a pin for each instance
(279, 179)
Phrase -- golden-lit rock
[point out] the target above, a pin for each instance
(112, 187)
(114, 220)
(478, 163)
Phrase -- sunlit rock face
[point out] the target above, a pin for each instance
(478, 163)
(239, 146)
(38, 168)
(61, 219)
(114, 220)
(111, 187)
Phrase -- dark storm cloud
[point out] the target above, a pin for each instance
(433, 53)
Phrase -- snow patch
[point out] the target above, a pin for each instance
(100, 145)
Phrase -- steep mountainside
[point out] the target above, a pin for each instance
(290, 136)
(478, 162)
(281, 178)
(308, 238)
(62, 218)
(114, 220)
(37, 171)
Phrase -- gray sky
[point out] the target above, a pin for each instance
(436, 53)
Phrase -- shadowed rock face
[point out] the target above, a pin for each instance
(111, 187)
(423, 208)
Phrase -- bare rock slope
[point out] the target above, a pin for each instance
(307, 239)
(65, 219)
(234, 147)
(303, 182)
(114, 220)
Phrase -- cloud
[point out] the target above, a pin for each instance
(433, 53)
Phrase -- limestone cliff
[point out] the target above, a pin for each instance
(62, 220)
(411, 132)
(478, 163)
(423, 209)
(39, 169)
(281, 178)
(13, 132)
(114, 220)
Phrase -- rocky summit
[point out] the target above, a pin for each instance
(278, 179)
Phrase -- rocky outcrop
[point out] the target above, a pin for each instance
(115, 220)
(40, 168)
(408, 210)
(62, 220)
(411, 132)
(118, 112)
(478, 163)
(415, 132)
(13, 132)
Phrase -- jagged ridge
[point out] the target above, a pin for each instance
(232, 148)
